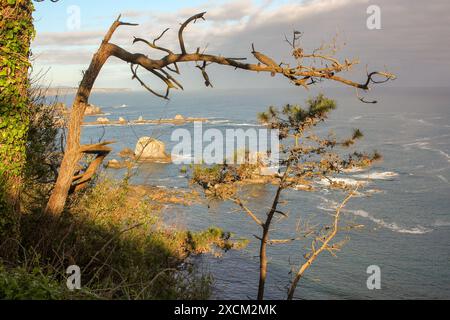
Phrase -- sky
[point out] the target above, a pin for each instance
(413, 40)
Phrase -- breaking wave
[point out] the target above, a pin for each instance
(393, 226)
(388, 175)
(346, 181)
(331, 206)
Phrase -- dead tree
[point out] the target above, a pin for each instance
(321, 67)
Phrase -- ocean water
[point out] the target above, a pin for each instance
(405, 205)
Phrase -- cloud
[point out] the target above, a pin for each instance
(414, 41)
(73, 38)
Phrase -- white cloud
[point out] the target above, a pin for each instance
(414, 40)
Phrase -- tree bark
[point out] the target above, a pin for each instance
(297, 76)
(73, 153)
(265, 239)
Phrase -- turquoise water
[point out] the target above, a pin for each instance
(407, 222)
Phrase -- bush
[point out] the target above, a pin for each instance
(122, 246)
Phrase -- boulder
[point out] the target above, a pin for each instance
(122, 120)
(103, 120)
(148, 149)
(114, 164)
(126, 153)
(92, 110)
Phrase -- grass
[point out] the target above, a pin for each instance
(122, 246)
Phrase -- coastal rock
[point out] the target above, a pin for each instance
(92, 110)
(103, 120)
(114, 164)
(150, 149)
(122, 120)
(126, 153)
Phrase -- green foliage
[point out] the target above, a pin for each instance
(202, 242)
(293, 120)
(16, 33)
(123, 247)
(19, 284)
(308, 156)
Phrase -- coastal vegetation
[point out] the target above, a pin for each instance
(305, 159)
(56, 210)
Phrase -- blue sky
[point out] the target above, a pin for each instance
(97, 13)
(413, 42)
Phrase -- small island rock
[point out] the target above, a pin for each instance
(148, 149)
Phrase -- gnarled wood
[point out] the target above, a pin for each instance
(298, 75)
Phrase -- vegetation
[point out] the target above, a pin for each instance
(305, 159)
(122, 245)
(16, 33)
(55, 212)
(308, 69)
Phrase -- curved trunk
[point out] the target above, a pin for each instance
(72, 152)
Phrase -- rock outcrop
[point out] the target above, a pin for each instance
(116, 164)
(150, 149)
(102, 120)
(122, 120)
(126, 153)
(92, 110)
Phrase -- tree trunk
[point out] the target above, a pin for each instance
(263, 263)
(72, 153)
(265, 239)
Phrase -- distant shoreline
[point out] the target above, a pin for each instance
(137, 122)
(58, 91)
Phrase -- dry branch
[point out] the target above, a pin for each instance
(324, 245)
(300, 75)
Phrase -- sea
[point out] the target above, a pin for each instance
(404, 205)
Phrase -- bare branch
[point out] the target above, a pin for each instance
(247, 210)
(324, 246)
(184, 25)
(135, 76)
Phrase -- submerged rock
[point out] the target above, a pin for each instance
(114, 164)
(150, 149)
(92, 110)
(122, 120)
(126, 153)
(103, 120)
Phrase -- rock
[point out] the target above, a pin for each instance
(268, 171)
(114, 164)
(126, 153)
(122, 120)
(148, 149)
(92, 110)
(103, 120)
(179, 117)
